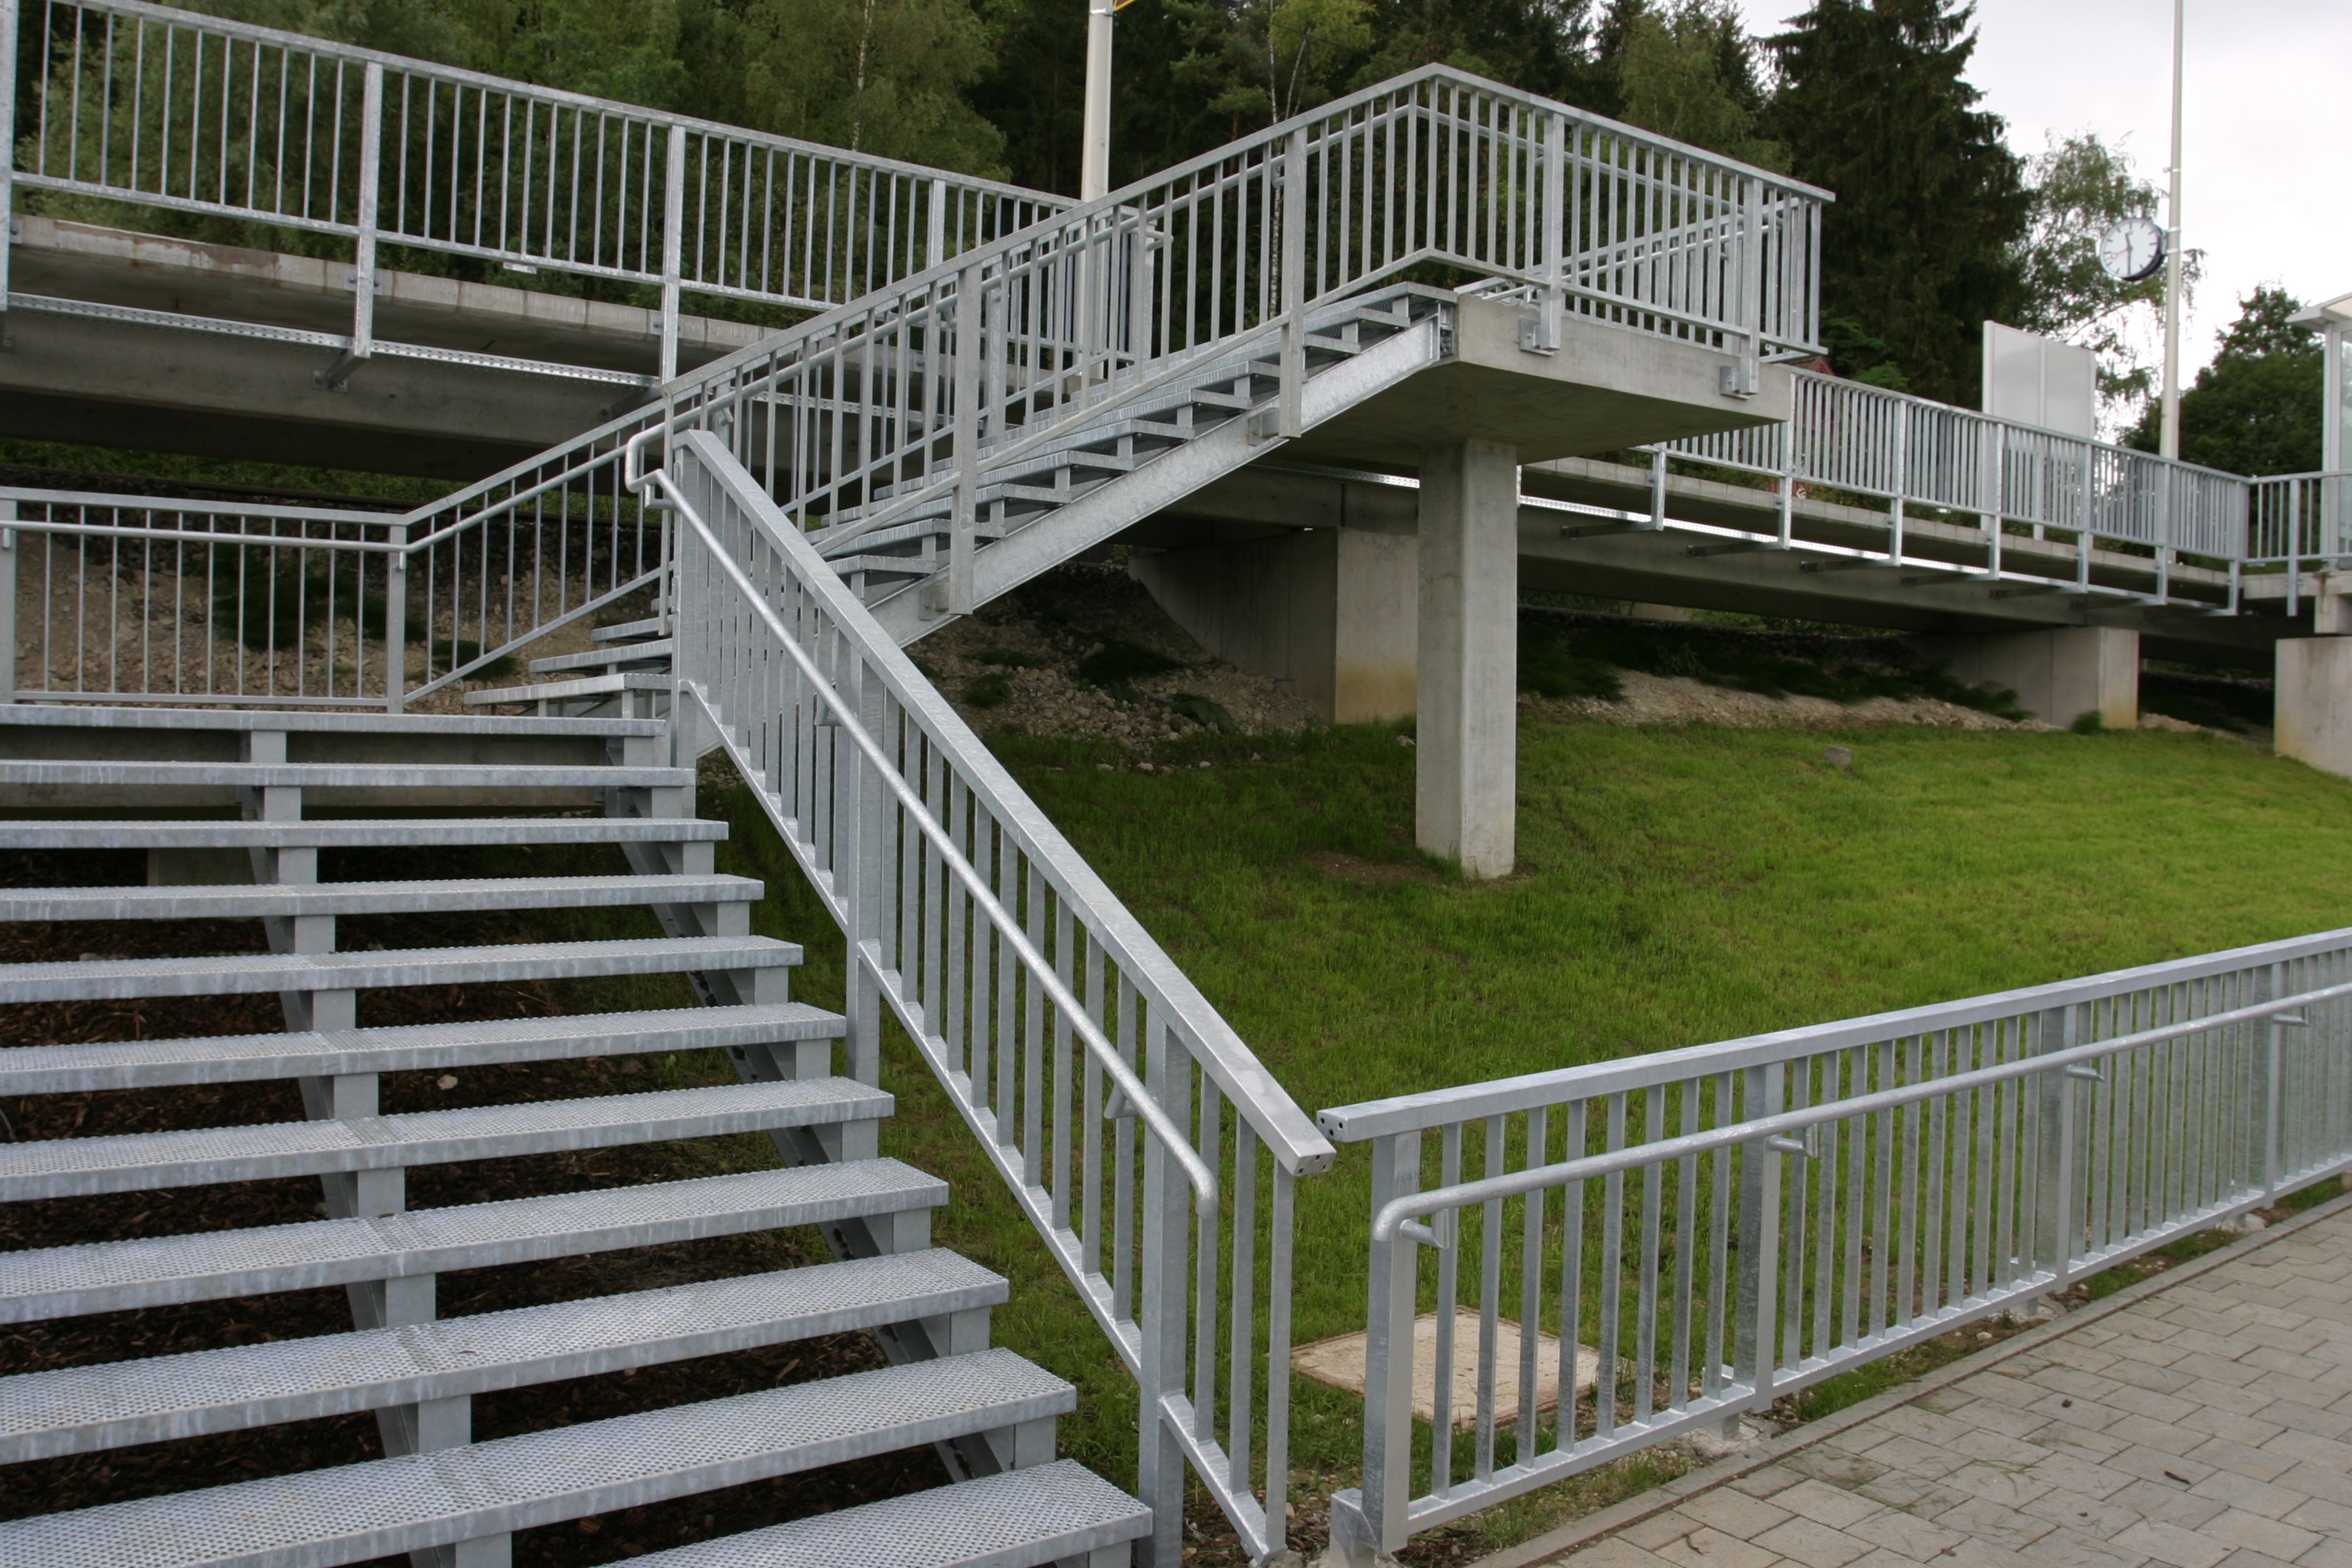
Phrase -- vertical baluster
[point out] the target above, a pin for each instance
(1443, 1379)
(1531, 1250)
(1612, 1267)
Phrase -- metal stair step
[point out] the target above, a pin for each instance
(583, 686)
(74, 1410)
(386, 1506)
(627, 631)
(1021, 1518)
(602, 658)
(85, 1068)
(359, 833)
(44, 1283)
(346, 776)
(291, 719)
(142, 1162)
(246, 901)
(121, 979)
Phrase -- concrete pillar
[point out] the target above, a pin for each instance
(1466, 788)
(2313, 713)
(1327, 613)
(2059, 675)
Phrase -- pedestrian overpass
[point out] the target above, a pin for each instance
(1364, 373)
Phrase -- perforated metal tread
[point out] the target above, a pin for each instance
(139, 1162)
(248, 900)
(119, 979)
(627, 631)
(50, 1282)
(373, 1509)
(603, 656)
(230, 1058)
(77, 1409)
(583, 686)
(355, 833)
(268, 720)
(1021, 1518)
(346, 776)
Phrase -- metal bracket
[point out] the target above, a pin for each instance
(1440, 1234)
(1840, 564)
(1120, 1108)
(1591, 531)
(1535, 339)
(337, 376)
(2291, 1020)
(1807, 1148)
(1742, 378)
(2087, 1072)
(1736, 547)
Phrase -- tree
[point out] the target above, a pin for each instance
(1921, 246)
(1686, 70)
(2080, 187)
(2256, 409)
(874, 76)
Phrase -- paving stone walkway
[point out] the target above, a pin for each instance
(2207, 1425)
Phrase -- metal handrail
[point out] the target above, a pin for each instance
(1774, 1210)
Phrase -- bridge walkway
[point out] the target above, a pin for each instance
(2200, 1419)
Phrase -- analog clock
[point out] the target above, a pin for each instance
(2132, 249)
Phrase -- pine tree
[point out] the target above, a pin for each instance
(1921, 246)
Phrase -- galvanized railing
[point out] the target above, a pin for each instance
(1147, 1146)
(1723, 1226)
(159, 108)
(2298, 520)
(862, 415)
(135, 599)
(1913, 456)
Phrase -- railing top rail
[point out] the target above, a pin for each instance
(1465, 1102)
(1513, 1184)
(2305, 477)
(187, 504)
(279, 37)
(1285, 1126)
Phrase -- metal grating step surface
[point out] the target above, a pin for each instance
(386, 1506)
(345, 775)
(360, 833)
(79, 1409)
(114, 1276)
(628, 631)
(1021, 1518)
(116, 979)
(561, 691)
(409, 1048)
(604, 657)
(456, 895)
(241, 719)
(139, 1162)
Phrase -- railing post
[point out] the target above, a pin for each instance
(1753, 1340)
(370, 185)
(673, 248)
(1394, 1292)
(1902, 480)
(1162, 1306)
(1554, 322)
(1291, 412)
(395, 621)
(861, 806)
(8, 23)
(938, 222)
(964, 531)
(8, 537)
(1993, 471)
(2271, 983)
(2053, 1165)
(2165, 486)
(2090, 513)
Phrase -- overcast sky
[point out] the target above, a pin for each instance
(2267, 157)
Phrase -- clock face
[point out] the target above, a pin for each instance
(2132, 249)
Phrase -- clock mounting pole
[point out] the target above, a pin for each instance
(2169, 437)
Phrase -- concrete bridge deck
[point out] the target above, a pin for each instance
(2200, 1419)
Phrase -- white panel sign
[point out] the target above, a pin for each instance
(2040, 382)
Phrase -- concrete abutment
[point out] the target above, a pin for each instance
(2059, 674)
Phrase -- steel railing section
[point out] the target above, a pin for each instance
(1907, 452)
(131, 599)
(1147, 1144)
(160, 108)
(869, 412)
(2300, 518)
(1723, 1225)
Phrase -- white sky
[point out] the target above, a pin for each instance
(2266, 145)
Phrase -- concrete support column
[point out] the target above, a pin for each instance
(1325, 613)
(2313, 702)
(1466, 789)
(2058, 675)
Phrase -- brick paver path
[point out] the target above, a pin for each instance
(2207, 1424)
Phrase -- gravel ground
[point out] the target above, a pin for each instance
(1678, 699)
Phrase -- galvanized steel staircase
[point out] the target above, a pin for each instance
(436, 1495)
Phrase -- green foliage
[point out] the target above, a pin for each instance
(991, 690)
(1205, 711)
(1858, 356)
(1686, 69)
(1116, 664)
(2089, 721)
(1581, 661)
(1921, 246)
(2081, 187)
(2256, 408)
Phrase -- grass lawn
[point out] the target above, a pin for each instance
(1675, 887)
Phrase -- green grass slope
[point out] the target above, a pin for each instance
(1675, 886)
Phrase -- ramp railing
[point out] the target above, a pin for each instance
(150, 107)
(1671, 1240)
(1147, 1146)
